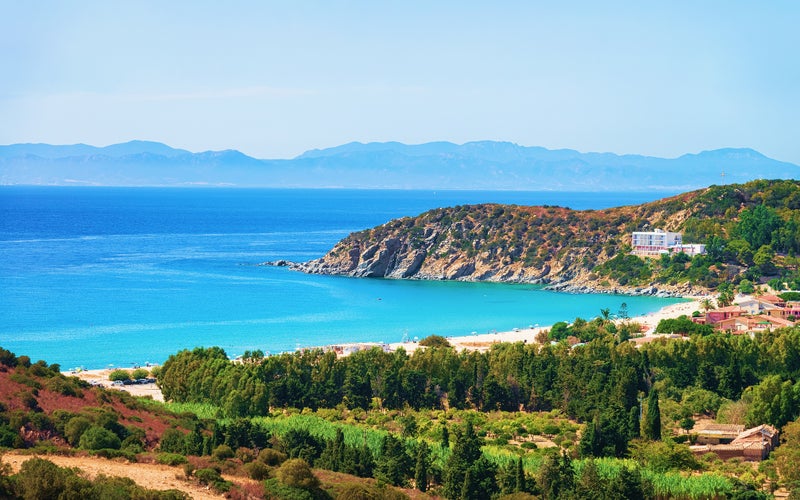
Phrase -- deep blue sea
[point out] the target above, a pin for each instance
(95, 277)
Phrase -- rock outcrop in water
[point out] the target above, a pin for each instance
(562, 248)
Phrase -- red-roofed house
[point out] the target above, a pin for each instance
(723, 313)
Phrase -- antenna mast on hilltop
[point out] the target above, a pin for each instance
(723, 175)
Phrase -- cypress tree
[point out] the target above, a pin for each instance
(520, 483)
(194, 443)
(590, 445)
(466, 452)
(468, 487)
(421, 468)
(445, 436)
(652, 420)
(634, 426)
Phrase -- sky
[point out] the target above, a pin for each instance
(274, 79)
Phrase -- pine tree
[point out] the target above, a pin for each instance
(445, 436)
(652, 420)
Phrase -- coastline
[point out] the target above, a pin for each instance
(478, 342)
(484, 341)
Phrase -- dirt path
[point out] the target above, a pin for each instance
(152, 476)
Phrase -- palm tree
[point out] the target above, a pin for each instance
(707, 304)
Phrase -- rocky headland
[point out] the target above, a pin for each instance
(563, 249)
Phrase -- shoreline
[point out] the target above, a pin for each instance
(476, 342)
(483, 341)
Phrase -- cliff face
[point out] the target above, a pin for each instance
(560, 247)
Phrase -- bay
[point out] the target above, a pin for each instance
(96, 277)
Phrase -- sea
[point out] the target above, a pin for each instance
(98, 277)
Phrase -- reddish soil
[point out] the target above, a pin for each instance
(12, 393)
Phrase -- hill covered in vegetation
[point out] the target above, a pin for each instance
(553, 421)
(751, 231)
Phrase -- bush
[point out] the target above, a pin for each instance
(110, 454)
(272, 457)
(359, 491)
(140, 373)
(133, 443)
(246, 455)
(257, 470)
(297, 473)
(276, 489)
(75, 428)
(435, 341)
(98, 438)
(211, 477)
(10, 438)
(172, 441)
(172, 459)
(39, 478)
(118, 375)
(222, 452)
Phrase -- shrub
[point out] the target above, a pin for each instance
(98, 438)
(7, 358)
(62, 386)
(10, 438)
(139, 373)
(297, 473)
(133, 444)
(212, 478)
(172, 459)
(434, 341)
(40, 478)
(75, 428)
(172, 441)
(110, 453)
(272, 457)
(246, 455)
(222, 452)
(122, 375)
(257, 470)
(359, 491)
(276, 489)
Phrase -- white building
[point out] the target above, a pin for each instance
(660, 241)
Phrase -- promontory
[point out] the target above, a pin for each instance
(749, 232)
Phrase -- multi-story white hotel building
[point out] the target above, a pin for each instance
(660, 241)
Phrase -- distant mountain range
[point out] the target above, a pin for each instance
(388, 165)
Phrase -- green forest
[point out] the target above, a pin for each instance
(629, 403)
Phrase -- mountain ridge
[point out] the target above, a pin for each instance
(486, 165)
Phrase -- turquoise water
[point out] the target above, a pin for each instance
(102, 276)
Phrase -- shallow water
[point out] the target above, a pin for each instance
(118, 276)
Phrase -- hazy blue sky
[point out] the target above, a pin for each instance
(273, 79)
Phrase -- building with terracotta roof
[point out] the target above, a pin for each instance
(754, 444)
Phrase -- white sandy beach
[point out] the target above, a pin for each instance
(485, 340)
